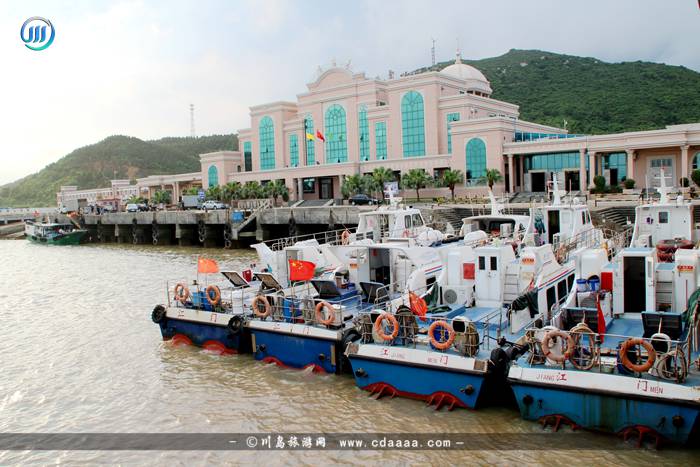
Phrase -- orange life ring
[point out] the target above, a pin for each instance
(380, 329)
(319, 313)
(634, 341)
(548, 352)
(266, 304)
(216, 299)
(182, 293)
(441, 345)
(345, 237)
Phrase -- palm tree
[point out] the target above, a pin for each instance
(450, 178)
(382, 175)
(415, 179)
(214, 192)
(231, 191)
(275, 189)
(161, 197)
(251, 189)
(352, 185)
(191, 191)
(492, 176)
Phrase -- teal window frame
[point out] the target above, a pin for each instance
(363, 125)
(380, 140)
(336, 135)
(413, 124)
(248, 156)
(616, 160)
(451, 117)
(695, 160)
(310, 143)
(294, 150)
(213, 176)
(475, 161)
(266, 130)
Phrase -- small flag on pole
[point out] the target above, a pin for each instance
(301, 270)
(309, 136)
(319, 135)
(207, 266)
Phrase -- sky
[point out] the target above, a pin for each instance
(134, 67)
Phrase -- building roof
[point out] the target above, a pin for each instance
(474, 78)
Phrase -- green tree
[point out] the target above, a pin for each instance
(415, 179)
(450, 178)
(135, 200)
(276, 189)
(492, 177)
(352, 185)
(382, 175)
(191, 191)
(162, 197)
(252, 190)
(695, 175)
(231, 191)
(214, 193)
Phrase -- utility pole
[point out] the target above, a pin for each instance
(192, 133)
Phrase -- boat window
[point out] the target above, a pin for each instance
(407, 221)
(663, 217)
(551, 297)
(570, 281)
(494, 263)
(417, 220)
(482, 263)
(561, 290)
(583, 217)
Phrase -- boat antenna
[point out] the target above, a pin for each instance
(556, 198)
(496, 207)
(663, 189)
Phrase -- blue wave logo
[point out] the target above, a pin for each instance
(33, 33)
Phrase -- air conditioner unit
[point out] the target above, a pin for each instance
(456, 295)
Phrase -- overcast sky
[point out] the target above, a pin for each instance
(133, 67)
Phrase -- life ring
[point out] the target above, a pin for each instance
(547, 350)
(261, 300)
(406, 233)
(182, 293)
(319, 313)
(345, 237)
(379, 329)
(624, 358)
(445, 326)
(216, 299)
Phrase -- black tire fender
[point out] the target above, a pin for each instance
(158, 314)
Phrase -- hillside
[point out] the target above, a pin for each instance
(121, 156)
(592, 96)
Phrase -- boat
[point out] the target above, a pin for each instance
(54, 233)
(486, 298)
(622, 355)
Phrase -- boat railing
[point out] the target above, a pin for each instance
(330, 237)
(194, 296)
(657, 356)
(613, 241)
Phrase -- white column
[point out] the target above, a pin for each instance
(591, 168)
(511, 174)
(630, 163)
(521, 169)
(684, 161)
(582, 170)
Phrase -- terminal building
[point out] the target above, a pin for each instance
(346, 123)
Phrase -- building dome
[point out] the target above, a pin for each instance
(476, 81)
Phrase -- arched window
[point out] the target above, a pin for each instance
(412, 124)
(476, 160)
(213, 176)
(696, 160)
(309, 138)
(293, 150)
(267, 143)
(336, 135)
(364, 133)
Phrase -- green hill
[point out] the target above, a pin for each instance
(117, 156)
(593, 96)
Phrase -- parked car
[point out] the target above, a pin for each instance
(213, 204)
(363, 199)
(132, 207)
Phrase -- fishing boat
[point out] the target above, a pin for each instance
(487, 297)
(622, 355)
(54, 233)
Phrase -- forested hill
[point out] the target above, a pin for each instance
(117, 156)
(593, 96)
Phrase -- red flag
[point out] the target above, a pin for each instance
(319, 135)
(601, 320)
(301, 270)
(418, 305)
(207, 266)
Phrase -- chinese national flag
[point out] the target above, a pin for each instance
(319, 135)
(601, 321)
(207, 266)
(301, 270)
